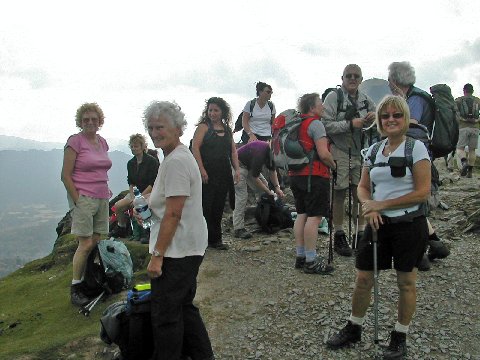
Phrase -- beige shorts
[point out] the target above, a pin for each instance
(468, 137)
(90, 216)
(342, 168)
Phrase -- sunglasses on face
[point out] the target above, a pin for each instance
(353, 76)
(386, 116)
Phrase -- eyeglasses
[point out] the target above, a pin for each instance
(386, 116)
(93, 119)
(351, 76)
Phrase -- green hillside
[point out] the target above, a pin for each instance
(36, 317)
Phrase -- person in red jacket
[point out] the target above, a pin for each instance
(311, 204)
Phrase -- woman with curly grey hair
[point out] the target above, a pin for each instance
(177, 240)
(84, 174)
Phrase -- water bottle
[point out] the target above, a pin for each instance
(141, 205)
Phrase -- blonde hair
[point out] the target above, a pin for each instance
(138, 138)
(399, 104)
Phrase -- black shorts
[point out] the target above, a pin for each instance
(405, 242)
(313, 203)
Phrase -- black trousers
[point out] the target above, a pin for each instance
(214, 195)
(178, 328)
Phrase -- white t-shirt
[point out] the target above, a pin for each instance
(388, 187)
(260, 122)
(178, 175)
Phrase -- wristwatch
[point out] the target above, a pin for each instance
(156, 253)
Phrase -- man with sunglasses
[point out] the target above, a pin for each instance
(344, 121)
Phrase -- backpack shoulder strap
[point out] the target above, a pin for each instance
(252, 105)
(373, 154)
(409, 144)
(340, 107)
(270, 105)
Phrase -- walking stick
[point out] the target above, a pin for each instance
(330, 217)
(355, 242)
(350, 195)
(375, 289)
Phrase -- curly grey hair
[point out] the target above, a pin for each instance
(401, 73)
(171, 110)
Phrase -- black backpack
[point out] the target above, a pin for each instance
(128, 324)
(272, 215)
(238, 123)
(444, 128)
(468, 108)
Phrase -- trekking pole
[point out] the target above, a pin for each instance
(350, 195)
(330, 217)
(375, 289)
(355, 242)
(85, 310)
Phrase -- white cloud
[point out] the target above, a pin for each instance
(55, 55)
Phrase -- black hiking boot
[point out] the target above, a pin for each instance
(350, 334)
(318, 266)
(299, 262)
(424, 264)
(77, 297)
(218, 246)
(397, 349)
(340, 244)
(437, 250)
(242, 234)
(469, 171)
(464, 169)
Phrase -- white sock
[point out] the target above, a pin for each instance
(75, 282)
(401, 328)
(357, 320)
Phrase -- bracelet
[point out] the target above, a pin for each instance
(277, 186)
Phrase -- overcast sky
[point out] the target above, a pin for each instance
(56, 55)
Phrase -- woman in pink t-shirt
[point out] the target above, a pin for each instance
(84, 174)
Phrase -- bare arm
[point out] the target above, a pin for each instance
(168, 226)
(197, 142)
(69, 158)
(246, 126)
(323, 153)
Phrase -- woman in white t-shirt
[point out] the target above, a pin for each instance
(392, 190)
(257, 121)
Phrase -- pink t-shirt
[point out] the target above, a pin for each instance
(91, 166)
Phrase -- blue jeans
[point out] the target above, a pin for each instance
(178, 328)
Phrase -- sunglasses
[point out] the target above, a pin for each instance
(351, 76)
(386, 116)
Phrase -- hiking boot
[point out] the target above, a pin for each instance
(318, 266)
(77, 297)
(424, 264)
(340, 244)
(350, 334)
(464, 169)
(242, 234)
(218, 246)
(299, 262)
(397, 349)
(437, 250)
(118, 232)
(469, 171)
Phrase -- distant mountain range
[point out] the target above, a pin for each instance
(34, 200)
(20, 144)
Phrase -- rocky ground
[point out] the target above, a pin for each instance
(257, 306)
